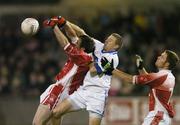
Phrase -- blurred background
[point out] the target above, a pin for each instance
(28, 65)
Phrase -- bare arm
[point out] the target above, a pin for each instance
(62, 40)
(142, 71)
(139, 65)
(152, 79)
(79, 31)
(123, 75)
(70, 32)
(92, 68)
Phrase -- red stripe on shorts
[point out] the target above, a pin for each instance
(51, 98)
(157, 118)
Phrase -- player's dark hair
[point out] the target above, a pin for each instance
(87, 43)
(172, 58)
(119, 40)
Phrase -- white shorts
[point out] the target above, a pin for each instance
(89, 100)
(54, 94)
(157, 118)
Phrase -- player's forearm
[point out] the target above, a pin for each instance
(142, 71)
(62, 40)
(123, 75)
(92, 69)
(69, 30)
(77, 29)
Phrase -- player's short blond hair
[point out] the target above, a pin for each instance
(119, 40)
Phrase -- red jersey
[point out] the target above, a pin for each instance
(75, 69)
(161, 84)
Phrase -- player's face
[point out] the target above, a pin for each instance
(161, 61)
(110, 43)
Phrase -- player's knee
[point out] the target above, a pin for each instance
(62, 109)
(57, 113)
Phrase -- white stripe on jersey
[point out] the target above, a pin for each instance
(66, 80)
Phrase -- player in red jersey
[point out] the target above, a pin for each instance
(161, 87)
(72, 74)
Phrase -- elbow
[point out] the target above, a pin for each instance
(92, 70)
(81, 33)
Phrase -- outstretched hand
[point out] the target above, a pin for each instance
(139, 62)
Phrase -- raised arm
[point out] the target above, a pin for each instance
(62, 40)
(70, 32)
(142, 71)
(79, 31)
(71, 29)
(140, 65)
(61, 22)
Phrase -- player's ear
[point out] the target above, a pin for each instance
(166, 64)
(116, 47)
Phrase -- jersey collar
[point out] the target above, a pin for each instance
(112, 51)
(160, 69)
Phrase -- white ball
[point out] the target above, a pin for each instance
(29, 26)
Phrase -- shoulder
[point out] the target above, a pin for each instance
(97, 42)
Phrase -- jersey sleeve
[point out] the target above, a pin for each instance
(78, 56)
(152, 79)
(98, 45)
(116, 62)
